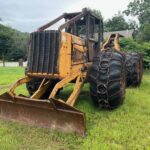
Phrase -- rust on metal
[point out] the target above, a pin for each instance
(44, 75)
(112, 42)
(42, 113)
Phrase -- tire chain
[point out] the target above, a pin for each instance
(104, 62)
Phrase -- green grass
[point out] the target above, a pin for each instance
(127, 127)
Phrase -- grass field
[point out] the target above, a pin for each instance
(127, 127)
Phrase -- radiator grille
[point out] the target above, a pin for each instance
(43, 52)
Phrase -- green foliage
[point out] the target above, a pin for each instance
(142, 47)
(118, 23)
(96, 12)
(13, 43)
(141, 9)
(144, 33)
(19, 46)
(125, 128)
(5, 41)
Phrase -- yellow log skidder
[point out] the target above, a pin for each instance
(56, 58)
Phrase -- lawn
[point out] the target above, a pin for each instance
(127, 127)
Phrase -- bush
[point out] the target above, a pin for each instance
(142, 47)
(144, 33)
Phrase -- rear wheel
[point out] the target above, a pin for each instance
(107, 79)
(134, 66)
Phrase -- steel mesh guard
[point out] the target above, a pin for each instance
(107, 79)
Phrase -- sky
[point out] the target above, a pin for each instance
(28, 15)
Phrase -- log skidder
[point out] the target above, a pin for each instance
(66, 55)
(107, 79)
(134, 66)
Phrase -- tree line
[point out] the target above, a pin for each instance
(139, 10)
(14, 44)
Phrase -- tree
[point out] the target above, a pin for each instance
(116, 23)
(5, 41)
(144, 33)
(132, 24)
(19, 46)
(13, 44)
(140, 9)
(96, 12)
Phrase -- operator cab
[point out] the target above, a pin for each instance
(83, 24)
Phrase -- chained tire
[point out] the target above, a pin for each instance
(134, 67)
(107, 79)
(33, 86)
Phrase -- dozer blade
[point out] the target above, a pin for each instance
(51, 113)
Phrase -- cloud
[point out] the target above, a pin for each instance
(107, 7)
(30, 14)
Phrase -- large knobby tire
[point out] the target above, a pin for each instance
(107, 79)
(33, 86)
(134, 67)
